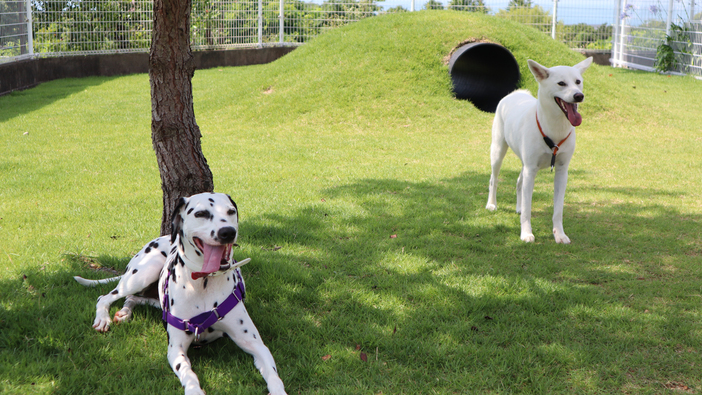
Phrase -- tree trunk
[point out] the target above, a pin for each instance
(174, 132)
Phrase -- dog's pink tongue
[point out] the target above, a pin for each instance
(574, 117)
(212, 258)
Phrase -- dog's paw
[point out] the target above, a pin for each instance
(560, 237)
(491, 207)
(102, 324)
(275, 387)
(123, 315)
(528, 238)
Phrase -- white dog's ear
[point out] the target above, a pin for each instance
(582, 66)
(540, 72)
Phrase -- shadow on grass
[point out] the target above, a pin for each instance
(453, 301)
(444, 288)
(32, 99)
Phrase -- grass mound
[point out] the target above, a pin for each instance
(375, 268)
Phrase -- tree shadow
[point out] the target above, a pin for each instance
(416, 267)
(29, 100)
(435, 291)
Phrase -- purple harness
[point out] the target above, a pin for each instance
(201, 322)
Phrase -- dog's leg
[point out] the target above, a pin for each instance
(241, 329)
(559, 186)
(498, 149)
(178, 343)
(519, 193)
(125, 314)
(527, 177)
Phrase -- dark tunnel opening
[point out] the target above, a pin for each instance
(483, 73)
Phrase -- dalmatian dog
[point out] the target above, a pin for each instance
(192, 277)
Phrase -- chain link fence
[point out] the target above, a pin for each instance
(633, 30)
(656, 35)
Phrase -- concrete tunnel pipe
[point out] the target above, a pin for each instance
(483, 73)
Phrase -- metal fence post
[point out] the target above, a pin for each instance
(621, 36)
(282, 21)
(555, 19)
(669, 19)
(30, 31)
(616, 51)
(260, 23)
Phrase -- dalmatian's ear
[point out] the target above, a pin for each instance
(177, 219)
(234, 204)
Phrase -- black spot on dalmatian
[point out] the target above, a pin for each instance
(147, 250)
(99, 297)
(215, 304)
(204, 284)
(153, 244)
(246, 331)
(190, 211)
(172, 301)
(134, 271)
(241, 322)
(211, 200)
(114, 292)
(188, 333)
(174, 249)
(204, 214)
(222, 220)
(177, 367)
(212, 234)
(210, 329)
(198, 253)
(173, 276)
(164, 254)
(254, 336)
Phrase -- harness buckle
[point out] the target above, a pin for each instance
(216, 313)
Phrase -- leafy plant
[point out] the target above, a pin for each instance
(671, 54)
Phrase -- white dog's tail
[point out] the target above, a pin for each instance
(92, 283)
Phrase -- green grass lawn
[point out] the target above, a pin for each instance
(362, 184)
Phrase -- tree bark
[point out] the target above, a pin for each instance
(174, 132)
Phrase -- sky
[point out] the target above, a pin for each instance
(592, 12)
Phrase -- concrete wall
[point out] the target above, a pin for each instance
(600, 57)
(28, 73)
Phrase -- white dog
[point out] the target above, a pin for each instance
(541, 132)
(192, 276)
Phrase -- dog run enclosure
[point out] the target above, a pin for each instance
(635, 32)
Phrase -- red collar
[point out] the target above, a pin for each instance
(550, 142)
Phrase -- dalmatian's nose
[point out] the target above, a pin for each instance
(226, 235)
